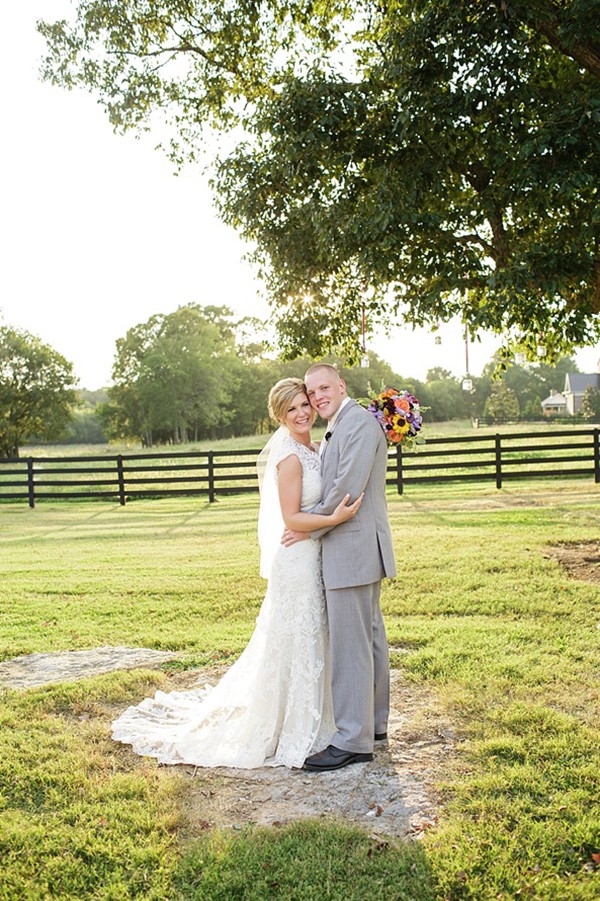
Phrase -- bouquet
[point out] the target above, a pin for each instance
(399, 415)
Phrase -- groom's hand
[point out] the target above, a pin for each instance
(290, 537)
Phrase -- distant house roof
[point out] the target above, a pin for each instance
(555, 400)
(577, 382)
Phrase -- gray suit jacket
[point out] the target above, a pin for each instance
(359, 551)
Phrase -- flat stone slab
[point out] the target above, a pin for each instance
(395, 796)
(33, 670)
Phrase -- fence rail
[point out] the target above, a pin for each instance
(493, 458)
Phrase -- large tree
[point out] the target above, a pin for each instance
(418, 159)
(174, 376)
(37, 393)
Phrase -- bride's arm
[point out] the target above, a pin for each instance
(290, 494)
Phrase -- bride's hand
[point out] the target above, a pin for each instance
(345, 511)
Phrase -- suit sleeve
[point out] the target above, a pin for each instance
(357, 455)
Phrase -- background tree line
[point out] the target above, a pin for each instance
(199, 374)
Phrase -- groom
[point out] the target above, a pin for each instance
(357, 554)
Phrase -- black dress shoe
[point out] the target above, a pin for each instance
(333, 759)
(380, 736)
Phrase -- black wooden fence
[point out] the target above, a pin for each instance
(478, 458)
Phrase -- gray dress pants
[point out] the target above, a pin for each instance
(360, 671)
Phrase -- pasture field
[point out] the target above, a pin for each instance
(452, 428)
(480, 612)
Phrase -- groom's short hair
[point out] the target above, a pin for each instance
(316, 366)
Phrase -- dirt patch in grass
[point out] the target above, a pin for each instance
(580, 559)
(393, 795)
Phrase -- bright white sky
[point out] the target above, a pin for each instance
(97, 234)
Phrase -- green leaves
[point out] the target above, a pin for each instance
(173, 376)
(444, 157)
(36, 390)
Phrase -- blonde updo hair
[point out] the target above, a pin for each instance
(281, 396)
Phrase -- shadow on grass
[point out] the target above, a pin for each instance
(311, 859)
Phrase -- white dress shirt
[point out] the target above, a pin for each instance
(331, 424)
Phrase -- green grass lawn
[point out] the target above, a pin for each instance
(478, 612)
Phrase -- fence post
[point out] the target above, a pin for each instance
(498, 455)
(30, 484)
(211, 477)
(121, 477)
(597, 456)
(399, 472)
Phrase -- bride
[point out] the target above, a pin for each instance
(273, 707)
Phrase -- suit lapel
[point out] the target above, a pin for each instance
(341, 415)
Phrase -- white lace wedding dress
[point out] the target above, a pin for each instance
(273, 706)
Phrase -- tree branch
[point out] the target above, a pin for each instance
(586, 55)
(544, 17)
(475, 239)
(162, 51)
(596, 294)
(500, 251)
